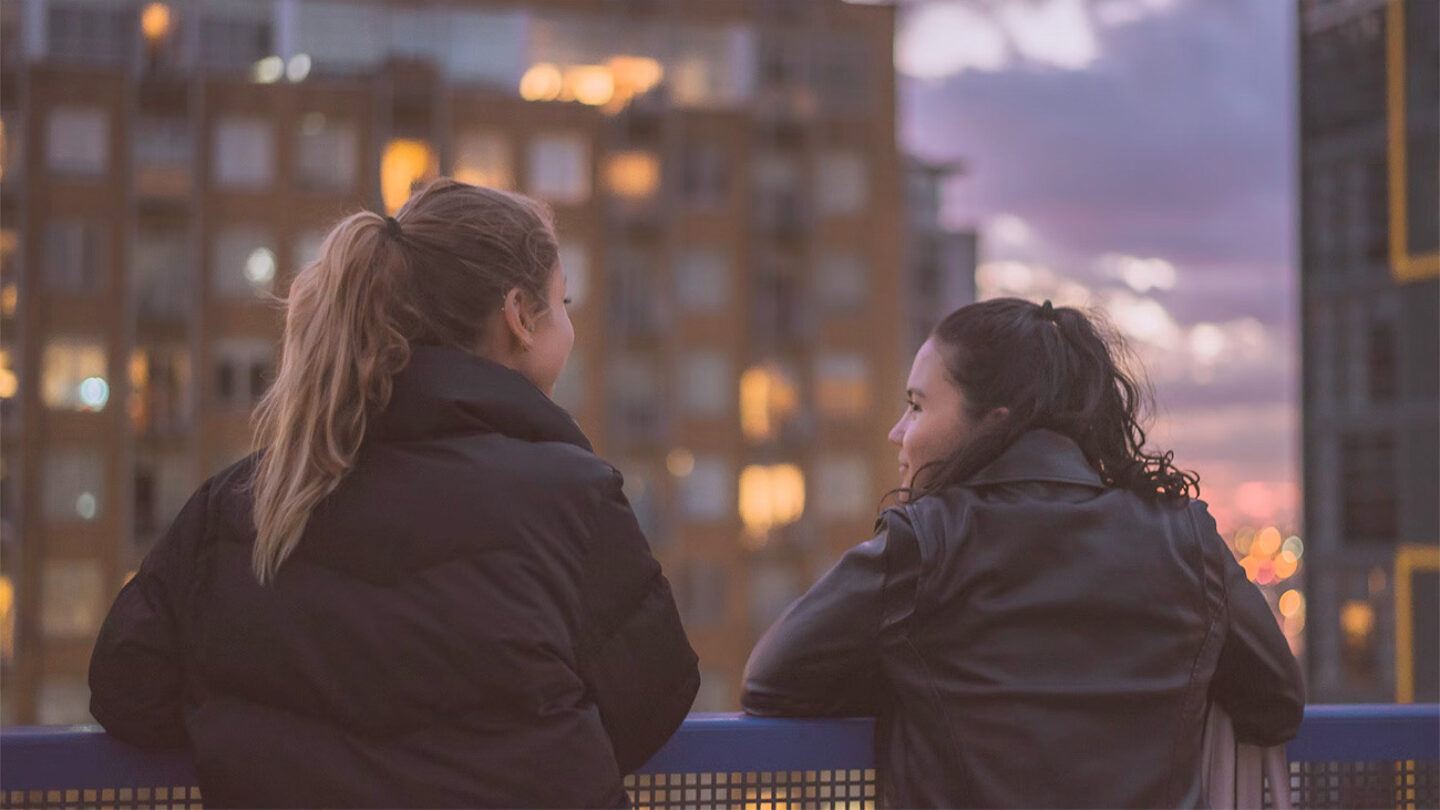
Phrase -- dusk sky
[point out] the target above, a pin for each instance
(1136, 156)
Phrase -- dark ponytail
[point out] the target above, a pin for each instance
(1054, 369)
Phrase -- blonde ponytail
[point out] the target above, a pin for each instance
(380, 285)
(340, 354)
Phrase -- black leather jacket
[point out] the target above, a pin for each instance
(1035, 639)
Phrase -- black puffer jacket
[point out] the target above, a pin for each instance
(1035, 639)
(473, 618)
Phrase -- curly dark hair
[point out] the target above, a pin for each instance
(1053, 368)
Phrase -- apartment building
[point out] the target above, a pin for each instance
(730, 203)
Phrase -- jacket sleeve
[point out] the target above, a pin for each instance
(137, 667)
(1257, 679)
(633, 653)
(822, 657)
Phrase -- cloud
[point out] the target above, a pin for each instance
(1140, 275)
(1112, 13)
(1176, 142)
(951, 37)
(1056, 33)
(943, 39)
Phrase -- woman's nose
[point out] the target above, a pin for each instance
(897, 433)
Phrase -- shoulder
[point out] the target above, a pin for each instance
(925, 527)
(571, 469)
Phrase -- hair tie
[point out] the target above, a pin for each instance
(392, 227)
(1047, 311)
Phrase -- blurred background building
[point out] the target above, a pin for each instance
(734, 217)
(940, 261)
(1369, 82)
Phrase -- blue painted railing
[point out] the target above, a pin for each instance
(84, 757)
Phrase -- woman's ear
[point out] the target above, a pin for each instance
(996, 416)
(519, 319)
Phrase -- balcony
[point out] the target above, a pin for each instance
(1359, 756)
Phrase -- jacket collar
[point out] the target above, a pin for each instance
(1040, 455)
(446, 391)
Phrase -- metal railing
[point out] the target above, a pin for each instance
(1345, 756)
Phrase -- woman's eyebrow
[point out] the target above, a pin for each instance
(914, 393)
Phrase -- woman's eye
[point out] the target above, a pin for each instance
(911, 406)
(566, 302)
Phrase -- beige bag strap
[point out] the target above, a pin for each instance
(1233, 774)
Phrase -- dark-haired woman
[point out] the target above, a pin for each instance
(425, 590)
(1045, 618)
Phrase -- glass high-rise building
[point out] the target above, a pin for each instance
(1369, 171)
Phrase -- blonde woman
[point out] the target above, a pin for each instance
(424, 589)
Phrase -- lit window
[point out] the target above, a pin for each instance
(633, 175)
(842, 385)
(770, 496)
(575, 261)
(242, 262)
(243, 154)
(76, 256)
(7, 619)
(73, 483)
(328, 157)
(74, 375)
(842, 486)
(708, 491)
(161, 393)
(841, 186)
(72, 598)
(840, 282)
(769, 397)
(705, 382)
(12, 146)
(559, 168)
(78, 141)
(702, 280)
(406, 164)
(9, 382)
(482, 158)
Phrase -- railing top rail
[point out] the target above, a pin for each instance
(85, 757)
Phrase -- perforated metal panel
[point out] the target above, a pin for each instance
(810, 790)
(150, 798)
(1406, 784)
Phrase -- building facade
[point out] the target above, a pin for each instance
(940, 260)
(1369, 138)
(730, 205)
